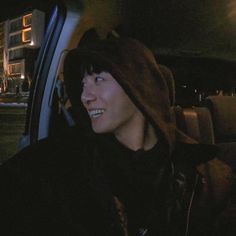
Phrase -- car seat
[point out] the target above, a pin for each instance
(196, 122)
(223, 111)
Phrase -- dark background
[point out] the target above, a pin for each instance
(14, 8)
(184, 26)
(196, 39)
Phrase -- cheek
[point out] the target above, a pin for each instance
(121, 105)
(117, 101)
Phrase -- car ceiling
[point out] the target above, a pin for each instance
(174, 27)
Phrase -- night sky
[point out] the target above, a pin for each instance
(13, 8)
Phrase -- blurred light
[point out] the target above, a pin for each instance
(184, 86)
(22, 76)
(232, 10)
(32, 43)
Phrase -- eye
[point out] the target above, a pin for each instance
(98, 79)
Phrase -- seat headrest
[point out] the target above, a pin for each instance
(167, 73)
(223, 110)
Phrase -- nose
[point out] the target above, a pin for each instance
(87, 96)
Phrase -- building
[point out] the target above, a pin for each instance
(20, 39)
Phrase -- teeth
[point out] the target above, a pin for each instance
(96, 113)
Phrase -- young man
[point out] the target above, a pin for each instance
(128, 170)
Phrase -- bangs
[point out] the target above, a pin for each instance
(76, 65)
(90, 65)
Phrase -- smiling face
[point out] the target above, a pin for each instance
(109, 107)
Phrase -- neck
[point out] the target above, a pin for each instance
(142, 136)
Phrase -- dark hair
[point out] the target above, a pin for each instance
(75, 67)
(92, 64)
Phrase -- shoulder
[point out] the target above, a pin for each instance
(52, 154)
(194, 154)
(218, 176)
(44, 168)
(202, 158)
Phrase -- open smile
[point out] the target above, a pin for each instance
(95, 113)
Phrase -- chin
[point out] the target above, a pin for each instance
(101, 130)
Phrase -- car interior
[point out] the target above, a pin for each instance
(210, 122)
(201, 81)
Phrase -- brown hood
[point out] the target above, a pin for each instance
(135, 68)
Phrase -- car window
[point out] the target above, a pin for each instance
(21, 36)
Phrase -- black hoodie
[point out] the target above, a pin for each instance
(134, 67)
(60, 186)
